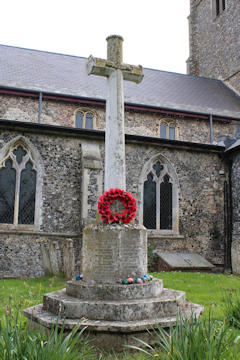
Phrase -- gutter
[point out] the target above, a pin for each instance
(228, 219)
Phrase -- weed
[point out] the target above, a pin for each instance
(19, 342)
(231, 306)
(193, 339)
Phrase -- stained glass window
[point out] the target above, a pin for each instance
(168, 130)
(17, 188)
(84, 119)
(79, 120)
(27, 195)
(172, 132)
(19, 153)
(163, 131)
(89, 121)
(159, 190)
(166, 204)
(7, 193)
(217, 7)
(158, 168)
(149, 212)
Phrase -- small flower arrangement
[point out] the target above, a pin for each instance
(108, 197)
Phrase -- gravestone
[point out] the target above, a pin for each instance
(170, 260)
(113, 312)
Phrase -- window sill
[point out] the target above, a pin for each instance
(164, 234)
(19, 227)
(31, 230)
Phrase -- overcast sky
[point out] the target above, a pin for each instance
(155, 32)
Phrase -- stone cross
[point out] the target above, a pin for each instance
(115, 71)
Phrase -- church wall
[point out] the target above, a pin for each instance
(61, 161)
(214, 41)
(23, 247)
(136, 123)
(201, 199)
(58, 241)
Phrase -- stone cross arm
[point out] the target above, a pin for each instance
(102, 67)
(115, 72)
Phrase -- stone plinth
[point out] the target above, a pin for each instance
(85, 291)
(134, 310)
(113, 252)
(113, 312)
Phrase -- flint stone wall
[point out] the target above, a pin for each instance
(201, 176)
(136, 123)
(214, 41)
(33, 254)
(23, 253)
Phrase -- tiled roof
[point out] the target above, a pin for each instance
(64, 74)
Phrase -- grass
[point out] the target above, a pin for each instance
(203, 288)
(195, 339)
(206, 289)
(27, 292)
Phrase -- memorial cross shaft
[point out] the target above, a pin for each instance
(115, 71)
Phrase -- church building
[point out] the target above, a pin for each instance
(182, 135)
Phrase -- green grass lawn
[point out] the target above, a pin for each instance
(201, 288)
(27, 292)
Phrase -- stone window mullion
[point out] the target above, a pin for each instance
(167, 131)
(16, 202)
(84, 121)
(18, 169)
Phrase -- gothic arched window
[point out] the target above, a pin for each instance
(84, 119)
(18, 178)
(160, 195)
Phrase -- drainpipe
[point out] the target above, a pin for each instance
(228, 217)
(40, 107)
(211, 128)
(228, 259)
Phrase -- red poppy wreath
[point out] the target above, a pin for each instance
(106, 200)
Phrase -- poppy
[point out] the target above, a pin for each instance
(125, 198)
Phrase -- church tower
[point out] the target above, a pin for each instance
(214, 40)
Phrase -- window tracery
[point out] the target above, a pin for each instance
(160, 195)
(20, 185)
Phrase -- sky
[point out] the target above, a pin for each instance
(155, 32)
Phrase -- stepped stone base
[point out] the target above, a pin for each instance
(131, 318)
(112, 312)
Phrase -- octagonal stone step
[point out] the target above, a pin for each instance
(167, 304)
(38, 315)
(85, 291)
